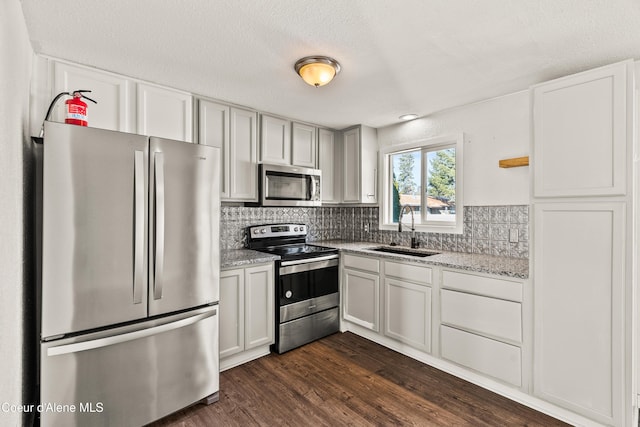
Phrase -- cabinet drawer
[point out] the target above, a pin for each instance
(489, 286)
(495, 317)
(494, 358)
(361, 263)
(412, 272)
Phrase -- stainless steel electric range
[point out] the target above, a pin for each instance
(307, 296)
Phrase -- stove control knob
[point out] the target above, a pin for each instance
(288, 294)
(256, 231)
(295, 229)
(263, 231)
(302, 228)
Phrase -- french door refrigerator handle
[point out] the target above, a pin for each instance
(128, 336)
(138, 226)
(158, 163)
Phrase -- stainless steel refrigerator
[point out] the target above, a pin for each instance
(129, 276)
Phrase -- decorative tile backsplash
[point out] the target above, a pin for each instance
(486, 228)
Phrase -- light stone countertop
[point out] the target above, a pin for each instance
(230, 258)
(502, 266)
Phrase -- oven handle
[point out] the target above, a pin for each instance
(308, 260)
(310, 264)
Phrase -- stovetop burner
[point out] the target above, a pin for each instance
(287, 251)
(286, 240)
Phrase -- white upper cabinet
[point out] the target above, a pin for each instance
(275, 140)
(124, 104)
(329, 161)
(283, 142)
(213, 130)
(234, 131)
(581, 130)
(360, 167)
(243, 156)
(303, 145)
(165, 113)
(114, 110)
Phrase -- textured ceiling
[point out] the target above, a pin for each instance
(408, 56)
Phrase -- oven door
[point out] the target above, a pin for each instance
(303, 279)
(289, 186)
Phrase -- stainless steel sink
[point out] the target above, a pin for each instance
(403, 251)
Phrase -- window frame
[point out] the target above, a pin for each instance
(430, 144)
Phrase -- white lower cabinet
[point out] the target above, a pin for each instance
(407, 313)
(481, 320)
(246, 313)
(407, 304)
(485, 355)
(473, 320)
(361, 294)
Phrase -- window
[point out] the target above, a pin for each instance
(425, 175)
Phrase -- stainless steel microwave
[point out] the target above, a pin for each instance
(289, 186)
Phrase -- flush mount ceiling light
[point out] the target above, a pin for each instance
(408, 117)
(317, 70)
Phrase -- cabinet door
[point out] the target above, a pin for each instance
(164, 113)
(213, 130)
(231, 312)
(275, 140)
(581, 133)
(351, 166)
(407, 314)
(243, 165)
(579, 324)
(368, 165)
(259, 306)
(361, 294)
(303, 145)
(328, 159)
(113, 93)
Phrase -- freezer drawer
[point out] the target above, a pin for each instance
(131, 375)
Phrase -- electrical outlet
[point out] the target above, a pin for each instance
(513, 235)
(366, 227)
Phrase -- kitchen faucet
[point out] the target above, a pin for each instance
(414, 242)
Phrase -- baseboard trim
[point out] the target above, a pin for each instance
(243, 357)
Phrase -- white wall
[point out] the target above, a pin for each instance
(15, 70)
(494, 130)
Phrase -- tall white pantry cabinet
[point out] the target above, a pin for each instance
(582, 266)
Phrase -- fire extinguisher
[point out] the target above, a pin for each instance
(76, 113)
(77, 109)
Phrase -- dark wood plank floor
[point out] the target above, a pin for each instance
(347, 380)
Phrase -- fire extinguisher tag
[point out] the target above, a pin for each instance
(76, 112)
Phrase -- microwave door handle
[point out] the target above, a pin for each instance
(312, 187)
